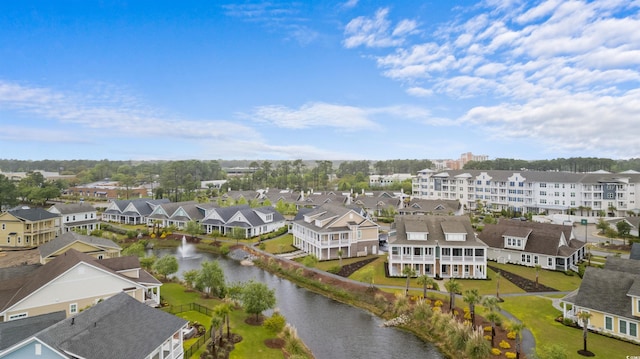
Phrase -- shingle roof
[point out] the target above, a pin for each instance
(599, 292)
(32, 214)
(119, 327)
(436, 226)
(543, 238)
(70, 208)
(69, 238)
(15, 331)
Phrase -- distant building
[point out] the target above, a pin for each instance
(388, 180)
(76, 216)
(108, 189)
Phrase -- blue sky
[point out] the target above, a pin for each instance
(346, 80)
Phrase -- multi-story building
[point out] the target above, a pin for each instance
(325, 230)
(388, 180)
(585, 194)
(27, 227)
(76, 216)
(438, 246)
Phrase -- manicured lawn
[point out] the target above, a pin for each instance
(253, 336)
(538, 315)
(282, 244)
(326, 265)
(553, 279)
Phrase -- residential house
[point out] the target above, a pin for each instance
(131, 211)
(378, 204)
(552, 246)
(98, 248)
(612, 296)
(118, 327)
(445, 207)
(438, 246)
(316, 199)
(325, 230)
(252, 221)
(73, 281)
(27, 227)
(76, 216)
(15, 331)
(177, 214)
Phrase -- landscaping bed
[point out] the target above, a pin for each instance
(348, 269)
(522, 283)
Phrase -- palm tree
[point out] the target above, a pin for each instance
(340, 256)
(409, 272)
(537, 266)
(472, 297)
(498, 275)
(453, 287)
(223, 310)
(491, 303)
(517, 328)
(584, 316)
(427, 282)
(216, 322)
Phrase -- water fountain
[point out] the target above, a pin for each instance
(187, 250)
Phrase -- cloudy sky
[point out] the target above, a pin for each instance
(319, 80)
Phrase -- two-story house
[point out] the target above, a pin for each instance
(98, 248)
(551, 246)
(325, 230)
(438, 246)
(118, 327)
(76, 216)
(27, 227)
(251, 221)
(131, 211)
(612, 296)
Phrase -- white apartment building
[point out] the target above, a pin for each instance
(587, 194)
(388, 180)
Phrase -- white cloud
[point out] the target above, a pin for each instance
(376, 31)
(350, 4)
(419, 91)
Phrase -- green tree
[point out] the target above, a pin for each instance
(136, 249)
(217, 323)
(453, 287)
(427, 282)
(147, 262)
(211, 279)
(409, 272)
(624, 228)
(602, 225)
(340, 256)
(190, 277)
(310, 261)
(472, 297)
(275, 323)
(8, 193)
(166, 265)
(493, 306)
(584, 317)
(257, 297)
(517, 328)
(193, 228)
(223, 310)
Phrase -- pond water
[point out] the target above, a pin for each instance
(329, 328)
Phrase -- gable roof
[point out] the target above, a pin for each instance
(143, 206)
(32, 214)
(542, 238)
(118, 327)
(437, 227)
(15, 331)
(70, 208)
(15, 290)
(599, 292)
(68, 238)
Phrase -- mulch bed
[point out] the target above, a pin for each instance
(525, 284)
(274, 343)
(348, 269)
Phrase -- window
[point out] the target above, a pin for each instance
(74, 218)
(4, 226)
(468, 252)
(73, 308)
(550, 262)
(446, 251)
(85, 216)
(608, 323)
(543, 185)
(38, 350)
(623, 326)
(417, 251)
(394, 250)
(633, 329)
(535, 259)
(18, 316)
(19, 240)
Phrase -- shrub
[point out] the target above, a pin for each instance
(504, 344)
(438, 303)
(131, 234)
(153, 235)
(487, 337)
(511, 335)
(224, 250)
(495, 351)
(262, 246)
(487, 328)
(510, 355)
(568, 321)
(334, 269)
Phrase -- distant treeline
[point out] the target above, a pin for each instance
(573, 164)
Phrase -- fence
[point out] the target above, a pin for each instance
(173, 309)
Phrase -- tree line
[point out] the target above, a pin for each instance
(573, 164)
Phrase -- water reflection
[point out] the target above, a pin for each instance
(330, 329)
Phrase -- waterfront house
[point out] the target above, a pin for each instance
(438, 246)
(252, 222)
(131, 211)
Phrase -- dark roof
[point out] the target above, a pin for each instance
(542, 238)
(32, 214)
(599, 292)
(436, 227)
(119, 327)
(431, 206)
(69, 238)
(635, 251)
(619, 264)
(15, 331)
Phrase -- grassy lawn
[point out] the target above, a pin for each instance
(253, 336)
(325, 265)
(282, 244)
(553, 279)
(538, 315)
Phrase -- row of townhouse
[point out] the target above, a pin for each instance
(589, 194)
(254, 221)
(31, 227)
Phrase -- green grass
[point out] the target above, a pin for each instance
(253, 336)
(538, 315)
(553, 279)
(282, 244)
(326, 265)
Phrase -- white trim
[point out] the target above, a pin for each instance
(18, 316)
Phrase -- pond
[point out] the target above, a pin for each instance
(329, 328)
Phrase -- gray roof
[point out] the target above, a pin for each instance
(542, 238)
(543, 176)
(431, 206)
(329, 211)
(119, 327)
(619, 264)
(69, 238)
(599, 292)
(70, 208)
(15, 331)
(436, 227)
(143, 206)
(32, 214)
(635, 251)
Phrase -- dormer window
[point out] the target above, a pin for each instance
(417, 236)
